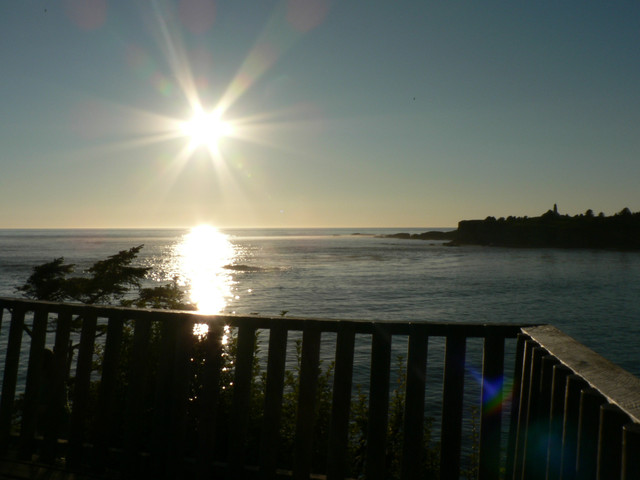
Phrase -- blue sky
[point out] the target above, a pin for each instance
(343, 113)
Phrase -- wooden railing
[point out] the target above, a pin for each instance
(114, 392)
(577, 415)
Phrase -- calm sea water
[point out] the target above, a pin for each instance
(591, 295)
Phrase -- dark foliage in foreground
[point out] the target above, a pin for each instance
(116, 280)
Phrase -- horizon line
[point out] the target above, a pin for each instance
(222, 227)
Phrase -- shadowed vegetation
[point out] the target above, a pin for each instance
(117, 280)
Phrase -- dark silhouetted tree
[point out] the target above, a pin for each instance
(108, 281)
(48, 281)
(624, 212)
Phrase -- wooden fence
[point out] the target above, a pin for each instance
(577, 415)
(111, 392)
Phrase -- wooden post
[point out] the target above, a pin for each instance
(631, 451)
(209, 399)
(59, 385)
(162, 402)
(533, 432)
(33, 394)
(523, 408)
(612, 419)
(341, 403)
(10, 376)
(538, 439)
(375, 467)
(412, 445)
(305, 420)
(491, 407)
(273, 400)
(241, 394)
(105, 425)
(588, 427)
(180, 395)
(452, 407)
(134, 414)
(515, 404)
(82, 385)
(575, 384)
(558, 390)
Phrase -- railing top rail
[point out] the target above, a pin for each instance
(617, 385)
(264, 322)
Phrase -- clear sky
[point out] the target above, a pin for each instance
(338, 113)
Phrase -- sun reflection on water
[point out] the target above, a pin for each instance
(202, 256)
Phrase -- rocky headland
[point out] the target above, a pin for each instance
(619, 231)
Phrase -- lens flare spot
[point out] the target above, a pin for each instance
(163, 84)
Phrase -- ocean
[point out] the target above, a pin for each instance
(353, 273)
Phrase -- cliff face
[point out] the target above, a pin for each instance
(553, 230)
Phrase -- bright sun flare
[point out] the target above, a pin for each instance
(206, 129)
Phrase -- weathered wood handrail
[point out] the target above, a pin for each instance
(573, 412)
(577, 414)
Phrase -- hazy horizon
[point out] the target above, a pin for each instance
(354, 228)
(280, 227)
(315, 113)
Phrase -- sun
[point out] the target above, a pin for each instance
(206, 129)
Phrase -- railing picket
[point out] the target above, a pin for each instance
(105, 424)
(138, 377)
(375, 467)
(574, 386)
(82, 384)
(515, 404)
(523, 407)
(558, 391)
(538, 438)
(413, 423)
(58, 386)
(631, 451)
(209, 397)
(533, 433)
(10, 376)
(180, 396)
(491, 401)
(597, 440)
(241, 392)
(612, 419)
(273, 400)
(588, 427)
(305, 419)
(451, 430)
(162, 401)
(34, 392)
(341, 403)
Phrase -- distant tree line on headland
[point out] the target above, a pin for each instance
(587, 230)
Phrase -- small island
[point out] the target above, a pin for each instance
(587, 230)
(431, 235)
